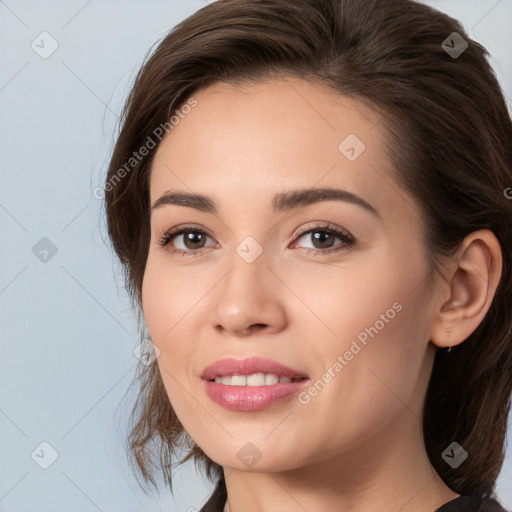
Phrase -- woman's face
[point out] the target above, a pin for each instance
(334, 288)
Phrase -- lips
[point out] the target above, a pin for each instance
(232, 366)
(284, 383)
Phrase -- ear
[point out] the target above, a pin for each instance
(471, 279)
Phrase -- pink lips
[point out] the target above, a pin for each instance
(250, 398)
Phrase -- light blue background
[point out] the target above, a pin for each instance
(68, 333)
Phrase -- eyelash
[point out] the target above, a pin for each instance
(347, 239)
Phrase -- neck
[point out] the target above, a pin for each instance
(394, 474)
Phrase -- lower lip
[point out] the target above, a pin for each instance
(251, 398)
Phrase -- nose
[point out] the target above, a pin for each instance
(249, 299)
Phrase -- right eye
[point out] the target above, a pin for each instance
(193, 239)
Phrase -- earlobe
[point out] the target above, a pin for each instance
(472, 281)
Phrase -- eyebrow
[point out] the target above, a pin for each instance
(283, 202)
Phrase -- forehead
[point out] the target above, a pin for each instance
(246, 142)
(291, 113)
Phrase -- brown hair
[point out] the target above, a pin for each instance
(449, 137)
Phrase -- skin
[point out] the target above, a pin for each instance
(357, 445)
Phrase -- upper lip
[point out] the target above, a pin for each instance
(232, 366)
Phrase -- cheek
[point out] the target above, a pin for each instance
(171, 299)
(367, 297)
(370, 357)
(166, 302)
(384, 373)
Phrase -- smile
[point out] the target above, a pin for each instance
(255, 379)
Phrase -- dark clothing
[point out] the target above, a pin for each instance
(218, 498)
(473, 503)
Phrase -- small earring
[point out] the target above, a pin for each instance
(448, 339)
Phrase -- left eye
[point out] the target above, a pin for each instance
(323, 239)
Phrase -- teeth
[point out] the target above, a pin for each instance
(270, 378)
(255, 379)
(238, 380)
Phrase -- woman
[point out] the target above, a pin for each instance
(310, 202)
